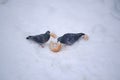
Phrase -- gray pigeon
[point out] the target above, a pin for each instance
(70, 38)
(41, 38)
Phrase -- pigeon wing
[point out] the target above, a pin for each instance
(39, 38)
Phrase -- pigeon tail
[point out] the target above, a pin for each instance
(29, 37)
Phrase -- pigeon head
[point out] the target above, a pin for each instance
(59, 39)
(47, 32)
(80, 34)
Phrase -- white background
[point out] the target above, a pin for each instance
(95, 59)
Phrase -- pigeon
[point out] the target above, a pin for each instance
(41, 38)
(70, 38)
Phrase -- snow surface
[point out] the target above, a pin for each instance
(96, 59)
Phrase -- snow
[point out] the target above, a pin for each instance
(95, 59)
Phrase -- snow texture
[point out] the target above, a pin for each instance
(95, 59)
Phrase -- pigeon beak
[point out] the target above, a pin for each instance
(57, 41)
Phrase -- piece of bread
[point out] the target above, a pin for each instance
(55, 47)
(53, 35)
(85, 37)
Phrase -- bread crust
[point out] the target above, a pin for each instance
(53, 35)
(55, 47)
(86, 37)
